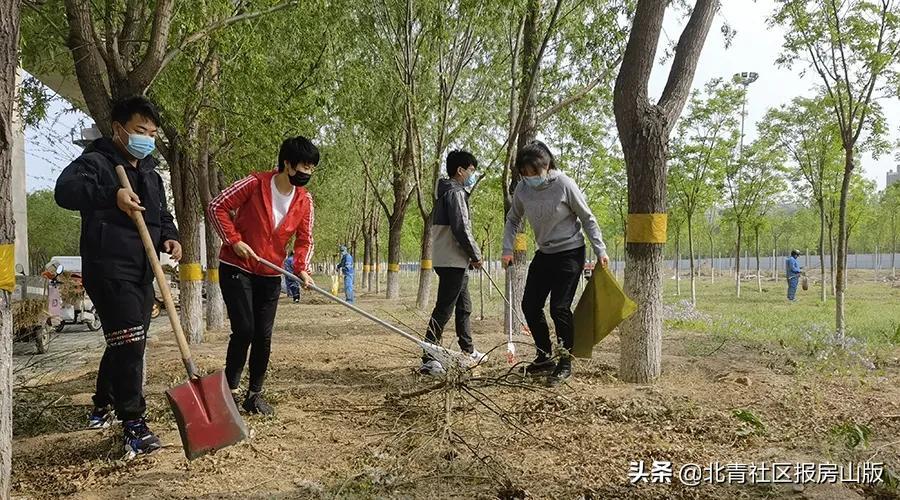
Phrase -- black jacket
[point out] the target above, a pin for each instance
(110, 244)
(451, 230)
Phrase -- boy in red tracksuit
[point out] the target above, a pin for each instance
(269, 209)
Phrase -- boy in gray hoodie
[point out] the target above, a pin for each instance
(558, 212)
(455, 252)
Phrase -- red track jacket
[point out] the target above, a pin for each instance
(251, 201)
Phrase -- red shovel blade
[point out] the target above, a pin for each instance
(207, 417)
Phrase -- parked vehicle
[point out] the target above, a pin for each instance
(31, 323)
(68, 304)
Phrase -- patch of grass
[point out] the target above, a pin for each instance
(852, 435)
(871, 313)
(753, 424)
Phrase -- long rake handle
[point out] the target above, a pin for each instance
(152, 254)
(503, 296)
(420, 342)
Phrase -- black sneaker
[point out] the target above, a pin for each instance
(138, 438)
(562, 371)
(539, 365)
(256, 404)
(101, 418)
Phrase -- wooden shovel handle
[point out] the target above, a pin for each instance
(161, 280)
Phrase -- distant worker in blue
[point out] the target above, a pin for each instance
(293, 286)
(793, 272)
(345, 266)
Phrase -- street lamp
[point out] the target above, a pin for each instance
(745, 79)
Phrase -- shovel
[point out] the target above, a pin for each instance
(203, 406)
(445, 356)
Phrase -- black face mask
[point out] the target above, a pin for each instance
(300, 179)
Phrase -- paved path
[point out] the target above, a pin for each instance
(71, 353)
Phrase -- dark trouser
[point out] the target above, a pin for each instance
(555, 275)
(251, 301)
(792, 287)
(124, 308)
(453, 295)
(293, 287)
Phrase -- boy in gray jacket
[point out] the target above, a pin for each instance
(455, 252)
(557, 212)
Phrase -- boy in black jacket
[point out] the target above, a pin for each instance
(115, 269)
(455, 252)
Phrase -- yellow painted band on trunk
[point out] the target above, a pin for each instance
(647, 228)
(393, 268)
(426, 265)
(8, 267)
(367, 269)
(190, 272)
(212, 275)
(521, 243)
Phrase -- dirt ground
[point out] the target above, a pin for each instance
(350, 424)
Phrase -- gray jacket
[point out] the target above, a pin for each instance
(451, 230)
(556, 212)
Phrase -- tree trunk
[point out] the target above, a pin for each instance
(209, 188)
(367, 255)
(641, 334)
(617, 260)
(678, 263)
(185, 186)
(377, 262)
(758, 268)
(644, 134)
(712, 261)
(530, 66)
(737, 261)
(841, 285)
(893, 246)
(877, 261)
(831, 256)
(481, 286)
(395, 232)
(690, 228)
(775, 260)
(426, 274)
(9, 61)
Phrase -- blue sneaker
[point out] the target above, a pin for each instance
(101, 418)
(138, 438)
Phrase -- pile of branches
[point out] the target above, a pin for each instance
(70, 288)
(29, 313)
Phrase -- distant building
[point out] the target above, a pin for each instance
(893, 177)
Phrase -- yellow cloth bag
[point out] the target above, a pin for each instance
(602, 307)
(335, 285)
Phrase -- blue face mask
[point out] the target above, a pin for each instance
(470, 181)
(536, 181)
(139, 145)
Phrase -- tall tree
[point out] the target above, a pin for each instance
(704, 142)
(852, 45)
(644, 129)
(810, 139)
(890, 202)
(455, 45)
(9, 62)
(751, 179)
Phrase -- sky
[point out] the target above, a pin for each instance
(755, 48)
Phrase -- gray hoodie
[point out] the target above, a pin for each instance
(556, 211)
(451, 231)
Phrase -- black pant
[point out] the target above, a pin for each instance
(555, 275)
(124, 308)
(453, 294)
(251, 301)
